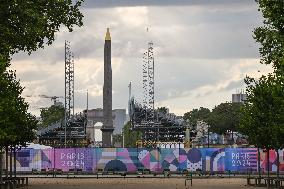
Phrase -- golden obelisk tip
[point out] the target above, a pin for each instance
(107, 38)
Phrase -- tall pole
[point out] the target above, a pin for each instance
(122, 139)
(207, 136)
(129, 98)
(65, 118)
(87, 111)
(87, 101)
(129, 87)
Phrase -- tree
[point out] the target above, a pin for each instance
(263, 115)
(224, 117)
(270, 35)
(201, 114)
(17, 126)
(263, 120)
(117, 139)
(51, 115)
(163, 110)
(28, 25)
(130, 136)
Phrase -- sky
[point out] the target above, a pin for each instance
(203, 50)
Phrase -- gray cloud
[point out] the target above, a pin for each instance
(123, 3)
(197, 48)
(239, 84)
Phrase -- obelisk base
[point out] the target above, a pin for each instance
(107, 137)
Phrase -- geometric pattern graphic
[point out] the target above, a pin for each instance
(156, 160)
(272, 160)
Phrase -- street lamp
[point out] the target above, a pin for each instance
(207, 136)
(187, 132)
(122, 133)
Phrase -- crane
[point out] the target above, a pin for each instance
(52, 98)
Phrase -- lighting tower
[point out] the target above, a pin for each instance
(69, 85)
(148, 92)
(151, 96)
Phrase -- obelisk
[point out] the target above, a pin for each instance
(107, 128)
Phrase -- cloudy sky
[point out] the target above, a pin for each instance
(203, 50)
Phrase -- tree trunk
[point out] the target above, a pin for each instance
(268, 163)
(277, 152)
(232, 137)
(258, 162)
(15, 163)
(6, 163)
(11, 164)
(1, 166)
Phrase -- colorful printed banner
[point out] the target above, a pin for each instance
(156, 160)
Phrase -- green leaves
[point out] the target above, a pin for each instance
(224, 117)
(195, 115)
(263, 114)
(28, 25)
(51, 115)
(16, 124)
(271, 35)
(130, 136)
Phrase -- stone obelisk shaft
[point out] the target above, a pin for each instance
(107, 128)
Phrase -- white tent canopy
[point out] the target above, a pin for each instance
(37, 146)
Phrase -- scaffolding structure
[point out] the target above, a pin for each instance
(71, 131)
(166, 127)
(69, 81)
(155, 126)
(148, 84)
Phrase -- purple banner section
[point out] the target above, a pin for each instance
(241, 159)
(156, 160)
(73, 158)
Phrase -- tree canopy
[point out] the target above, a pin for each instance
(263, 113)
(130, 136)
(163, 110)
(224, 117)
(51, 115)
(201, 114)
(28, 25)
(17, 125)
(263, 117)
(271, 34)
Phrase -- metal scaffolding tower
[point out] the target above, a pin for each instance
(149, 94)
(71, 131)
(69, 85)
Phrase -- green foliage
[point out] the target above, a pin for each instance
(164, 110)
(225, 116)
(271, 34)
(117, 138)
(51, 115)
(130, 136)
(263, 113)
(195, 115)
(28, 25)
(17, 126)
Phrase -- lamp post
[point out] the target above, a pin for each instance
(187, 133)
(122, 133)
(208, 141)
